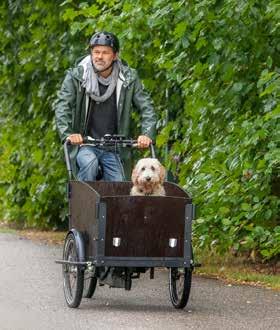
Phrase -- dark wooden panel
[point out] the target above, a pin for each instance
(145, 225)
(111, 188)
(174, 190)
(82, 207)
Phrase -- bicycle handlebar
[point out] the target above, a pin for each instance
(109, 141)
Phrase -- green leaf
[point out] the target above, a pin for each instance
(180, 29)
(269, 62)
(226, 222)
(202, 42)
(237, 87)
(70, 14)
(245, 207)
(273, 114)
(224, 210)
(218, 43)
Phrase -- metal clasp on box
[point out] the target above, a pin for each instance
(116, 241)
(172, 242)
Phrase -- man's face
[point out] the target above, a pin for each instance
(102, 57)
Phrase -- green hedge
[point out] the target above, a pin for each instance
(212, 68)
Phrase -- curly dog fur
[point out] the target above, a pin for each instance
(147, 178)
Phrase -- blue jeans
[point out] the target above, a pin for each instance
(90, 157)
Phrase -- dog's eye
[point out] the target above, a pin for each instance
(152, 168)
(143, 169)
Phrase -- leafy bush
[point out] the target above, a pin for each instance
(212, 68)
(32, 177)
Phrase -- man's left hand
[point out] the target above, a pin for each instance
(143, 141)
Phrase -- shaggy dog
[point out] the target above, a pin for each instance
(147, 178)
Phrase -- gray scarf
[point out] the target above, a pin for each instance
(91, 79)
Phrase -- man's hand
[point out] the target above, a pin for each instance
(75, 138)
(143, 141)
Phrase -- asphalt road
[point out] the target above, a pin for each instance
(31, 297)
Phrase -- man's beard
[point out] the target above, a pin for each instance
(102, 66)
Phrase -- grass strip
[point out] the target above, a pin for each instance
(239, 270)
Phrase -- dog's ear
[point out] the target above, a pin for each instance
(134, 176)
(162, 173)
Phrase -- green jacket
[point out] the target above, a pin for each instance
(72, 104)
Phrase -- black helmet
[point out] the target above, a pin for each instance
(105, 39)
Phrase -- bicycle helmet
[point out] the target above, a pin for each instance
(104, 38)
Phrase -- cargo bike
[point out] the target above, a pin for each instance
(115, 236)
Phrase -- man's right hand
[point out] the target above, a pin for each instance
(75, 138)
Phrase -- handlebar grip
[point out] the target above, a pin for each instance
(151, 147)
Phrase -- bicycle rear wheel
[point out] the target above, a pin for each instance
(180, 280)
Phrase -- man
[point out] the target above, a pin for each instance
(95, 99)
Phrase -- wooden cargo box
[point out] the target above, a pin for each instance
(137, 231)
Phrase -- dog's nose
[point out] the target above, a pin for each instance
(148, 178)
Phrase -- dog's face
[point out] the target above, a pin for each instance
(148, 172)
